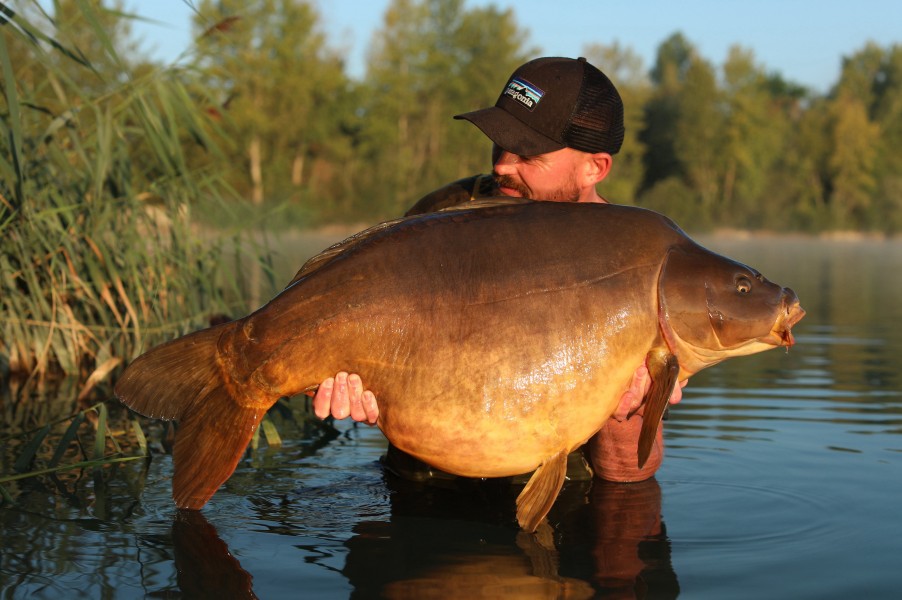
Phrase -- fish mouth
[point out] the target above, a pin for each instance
(791, 313)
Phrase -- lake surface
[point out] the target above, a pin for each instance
(782, 479)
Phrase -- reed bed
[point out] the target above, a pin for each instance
(74, 455)
(99, 255)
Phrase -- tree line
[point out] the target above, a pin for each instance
(297, 138)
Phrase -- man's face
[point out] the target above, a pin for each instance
(551, 176)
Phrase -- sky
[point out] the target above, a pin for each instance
(803, 40)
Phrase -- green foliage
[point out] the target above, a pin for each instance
(674, 56)
(700, 137)
(852, 162)
(755, 151)
(58, 447)
(624, 66)
(755, 133)
(98, 257)
(673, 197)
(281, 97)
(429, 61)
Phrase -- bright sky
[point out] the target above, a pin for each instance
(804, 40)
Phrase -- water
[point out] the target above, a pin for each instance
(782, 479)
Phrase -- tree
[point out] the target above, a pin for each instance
(430, 60)
(887, 114)
(860, 76)
(279, 86)
(624, 68)
(672, 62)
(852, 162)
(866, 180)
(795, 197)
(754, 135)
(700, 131)
(659, 134)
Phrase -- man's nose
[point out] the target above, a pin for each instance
(505, 162)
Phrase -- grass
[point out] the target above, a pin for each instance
(77, 455)
(100, 256)
(88, 440)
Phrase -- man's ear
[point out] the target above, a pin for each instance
(598, 166)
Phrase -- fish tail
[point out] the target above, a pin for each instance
(182, 380)
(210, 441)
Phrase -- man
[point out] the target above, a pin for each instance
(554, 130)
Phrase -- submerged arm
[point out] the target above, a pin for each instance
(613, 450)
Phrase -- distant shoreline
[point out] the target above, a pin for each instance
(831, 236)
(340, 231)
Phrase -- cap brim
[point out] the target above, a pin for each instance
(509, 132)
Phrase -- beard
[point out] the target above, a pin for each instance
(569, 192)
(507, 181)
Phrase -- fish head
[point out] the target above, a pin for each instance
(712, 308)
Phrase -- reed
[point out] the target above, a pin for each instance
(99, 255)
(64, 444)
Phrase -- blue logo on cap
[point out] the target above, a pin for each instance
(523, 92)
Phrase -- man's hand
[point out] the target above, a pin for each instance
(613, 451)
(632, 398)
(343, 396)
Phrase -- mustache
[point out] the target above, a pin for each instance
(509, 182)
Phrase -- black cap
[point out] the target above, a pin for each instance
(553, 103)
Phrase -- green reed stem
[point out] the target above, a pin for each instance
(69, 467)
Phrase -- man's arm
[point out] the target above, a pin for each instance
(613, 451)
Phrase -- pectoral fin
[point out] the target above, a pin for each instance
(663, 368)
(541, 491)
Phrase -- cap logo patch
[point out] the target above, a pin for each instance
(524, 92)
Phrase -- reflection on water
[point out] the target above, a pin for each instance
(440, 544)
(782, 478)
(204, 564)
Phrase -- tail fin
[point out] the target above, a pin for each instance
(182, 380)
(210, 441)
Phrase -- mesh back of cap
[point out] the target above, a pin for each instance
(597, 121)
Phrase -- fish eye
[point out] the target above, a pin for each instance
(743, 285)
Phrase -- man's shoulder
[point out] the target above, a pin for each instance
(456, 192)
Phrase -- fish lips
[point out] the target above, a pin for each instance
(791, 313)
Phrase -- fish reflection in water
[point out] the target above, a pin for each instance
(203, 562)
(458, 542)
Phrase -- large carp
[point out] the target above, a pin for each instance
(497, 338)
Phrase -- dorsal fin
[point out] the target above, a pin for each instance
(487, 202)
(335, 250)
(326, 256)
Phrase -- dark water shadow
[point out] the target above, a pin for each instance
(205, 567)
(461, 541)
